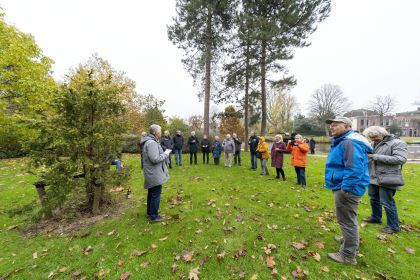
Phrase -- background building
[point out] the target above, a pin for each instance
(405, 124)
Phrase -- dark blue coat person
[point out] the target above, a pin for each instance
(217, 150)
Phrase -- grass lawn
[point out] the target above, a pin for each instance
(222, 222)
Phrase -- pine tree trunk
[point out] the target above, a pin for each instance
(246, 102)
(208, 76)
(263, 90)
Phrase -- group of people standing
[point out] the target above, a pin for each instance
(231, 146)
(353, 165)
(296, 146)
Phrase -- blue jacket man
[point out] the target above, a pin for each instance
(347, 164)
(347, 175)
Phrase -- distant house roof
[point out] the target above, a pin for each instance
(409, 113)
(359, 113)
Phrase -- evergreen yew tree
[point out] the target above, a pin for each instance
(200, 29)
(82, 136)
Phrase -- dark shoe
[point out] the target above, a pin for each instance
(277, 177)
(157, 220)
(389, 230)
(338, 257)
(304, 187)
(371, 220)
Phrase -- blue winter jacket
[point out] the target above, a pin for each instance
(217, 149)
(347, 164)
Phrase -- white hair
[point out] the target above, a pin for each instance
(373, 131)
(154, 128)
(279, 136)
(298, 135)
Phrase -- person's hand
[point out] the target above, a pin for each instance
(288, 142)
(370, 155)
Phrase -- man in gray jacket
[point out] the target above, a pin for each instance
(154, 169)
(229, 149)
(385, 164)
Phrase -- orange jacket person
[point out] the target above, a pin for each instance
(299, 150)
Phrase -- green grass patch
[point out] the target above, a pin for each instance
(215, 211)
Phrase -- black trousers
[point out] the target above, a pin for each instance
(206, 156)
(237, 158)
(280, 171)
(193, 154)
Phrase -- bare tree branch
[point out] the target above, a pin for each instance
(382, 105)
(327, 102)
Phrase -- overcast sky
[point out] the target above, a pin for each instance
(367, 47)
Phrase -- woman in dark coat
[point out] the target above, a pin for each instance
(205, 148)
(193, 142)
(277, 151)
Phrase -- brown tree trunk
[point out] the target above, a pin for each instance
(208, 76)
(97, 197)
(246, 101)
(263, 90)
(44, 202)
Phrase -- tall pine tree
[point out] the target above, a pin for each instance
(200, 29)
(241, 67)
(278, 27)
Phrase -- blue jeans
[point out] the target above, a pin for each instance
(383, 197)
(178, 157)
(153, 201)
(300, 175)
(254, 160)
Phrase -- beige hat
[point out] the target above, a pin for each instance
(340, 119)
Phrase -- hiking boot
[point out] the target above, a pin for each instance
(338, 257)
(389, 230)
(371, 220)
(277, 177)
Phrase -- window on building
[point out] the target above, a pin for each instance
(362, 122)
(367, 122)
